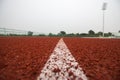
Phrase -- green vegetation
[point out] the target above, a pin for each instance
(30, 33)
(90, 33)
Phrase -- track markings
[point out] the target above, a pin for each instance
(61, 65)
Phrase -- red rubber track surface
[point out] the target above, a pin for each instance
(99, 58)
(22, 58)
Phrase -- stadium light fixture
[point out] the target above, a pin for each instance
(104, 7)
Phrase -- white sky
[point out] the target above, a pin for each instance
(53, 16)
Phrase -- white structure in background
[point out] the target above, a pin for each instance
(115, 35)
(6, 31)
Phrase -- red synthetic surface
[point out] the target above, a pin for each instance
(22, 58)
(99, 58)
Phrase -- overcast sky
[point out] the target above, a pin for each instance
(53, 16)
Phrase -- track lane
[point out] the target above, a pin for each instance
(61, 65)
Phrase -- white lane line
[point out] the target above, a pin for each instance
(61, 65)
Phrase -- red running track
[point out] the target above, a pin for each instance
(99, 58)
(22, 58)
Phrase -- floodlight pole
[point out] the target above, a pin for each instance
(104, 8)
(103, 21)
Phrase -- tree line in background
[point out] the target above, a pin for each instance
(90, 33)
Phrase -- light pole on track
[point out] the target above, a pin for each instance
(104, 8)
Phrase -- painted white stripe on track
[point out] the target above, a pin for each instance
(61, 65)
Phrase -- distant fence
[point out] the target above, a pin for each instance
(6, 31)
